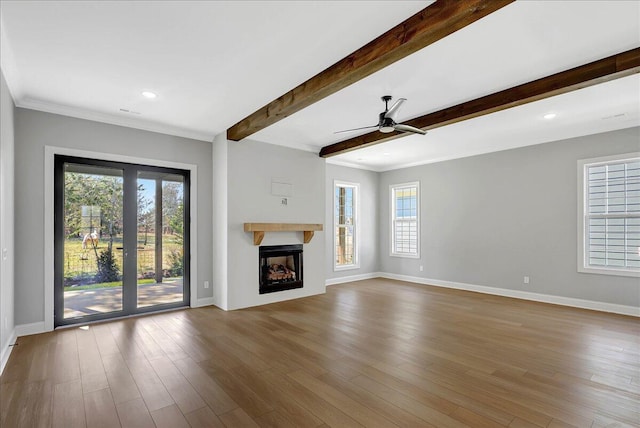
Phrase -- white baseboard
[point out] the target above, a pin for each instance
(6, 350)
(525, 295)
(39, 327)
(33, 328)
(205, 301)
(351, 278)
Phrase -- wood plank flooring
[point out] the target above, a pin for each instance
(375, 353)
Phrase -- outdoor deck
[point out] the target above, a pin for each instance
(103, 300)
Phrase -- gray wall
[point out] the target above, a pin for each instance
(251, 167)
(7, 110)
(367, 219)
(34, 131)
(490, 220)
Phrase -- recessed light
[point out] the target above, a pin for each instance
(386, 153)
(149, 94)
(549, 116)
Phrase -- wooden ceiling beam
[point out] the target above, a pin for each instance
(593, 73)
(431, 24)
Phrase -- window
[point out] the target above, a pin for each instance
(609, 215)
(405, 226)
(345, 222)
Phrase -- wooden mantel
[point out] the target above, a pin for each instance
(259, 229)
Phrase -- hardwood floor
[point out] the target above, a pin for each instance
(370, 353)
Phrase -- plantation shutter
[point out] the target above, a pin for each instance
(612, 215)
(405, 220)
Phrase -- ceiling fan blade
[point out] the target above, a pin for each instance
(393, 111)
(356, 129)
(408, 128)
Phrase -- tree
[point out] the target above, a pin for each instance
(146, 212)
(93, 202)
(176, 222)
(172, 200)
(108, 270)
(173, 222)
(73, 202)
(112, 214)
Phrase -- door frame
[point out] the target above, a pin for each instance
(130, 286)
(49, 230)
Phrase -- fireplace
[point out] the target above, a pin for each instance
(280, 268)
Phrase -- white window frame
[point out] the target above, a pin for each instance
(583, 165)
(356, 224)
(392, 217)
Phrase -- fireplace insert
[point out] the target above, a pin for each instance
(280, 267)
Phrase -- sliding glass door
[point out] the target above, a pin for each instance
(121, 239)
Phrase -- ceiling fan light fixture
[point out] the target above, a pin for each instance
(386, 124)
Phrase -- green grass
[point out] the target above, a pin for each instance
(107, 285)
(82, 262)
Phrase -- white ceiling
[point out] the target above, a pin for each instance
(213, 63)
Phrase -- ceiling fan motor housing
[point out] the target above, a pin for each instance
(386, 124)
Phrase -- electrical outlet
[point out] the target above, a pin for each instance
(283, 201)
(206, 284)
(421, 268)
(525, 280)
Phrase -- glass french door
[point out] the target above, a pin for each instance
(121, 239)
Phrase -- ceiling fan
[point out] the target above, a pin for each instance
(387, 119)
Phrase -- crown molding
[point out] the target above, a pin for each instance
(128, 122)
(337, 162)
(8, 64)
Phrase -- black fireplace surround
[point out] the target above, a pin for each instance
(280, 268)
